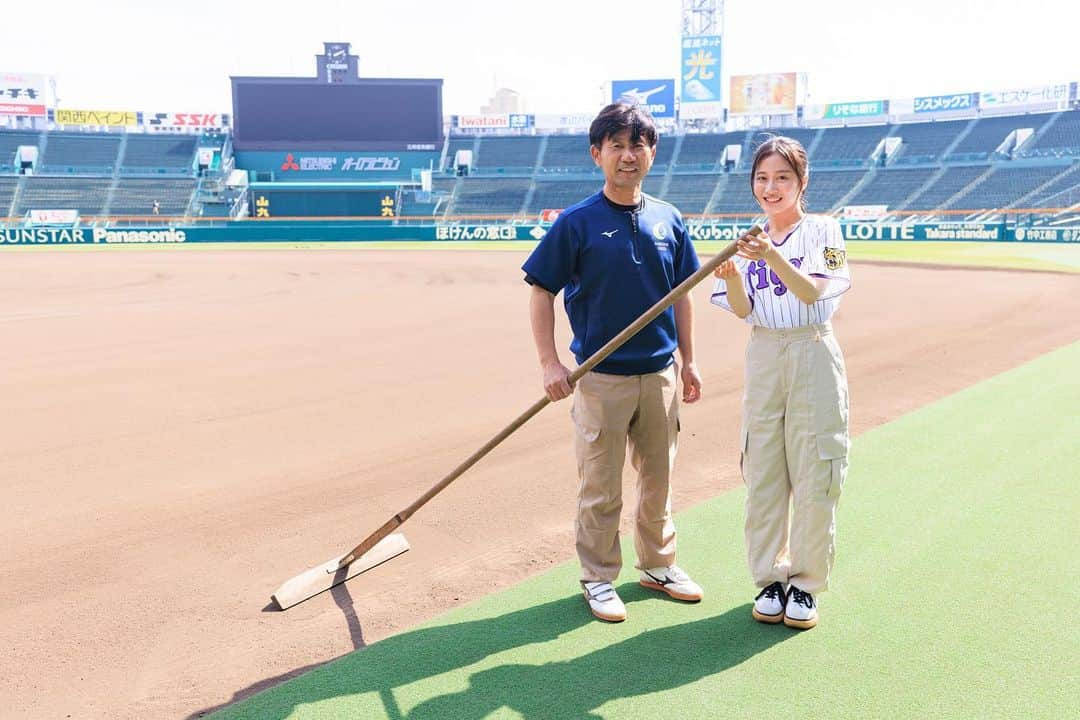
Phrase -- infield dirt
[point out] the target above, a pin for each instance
(183, 431)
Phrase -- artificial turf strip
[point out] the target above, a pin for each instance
(953, 597)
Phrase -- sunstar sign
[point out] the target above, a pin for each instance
(75, 236)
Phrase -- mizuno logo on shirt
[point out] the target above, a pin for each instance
(609, 233)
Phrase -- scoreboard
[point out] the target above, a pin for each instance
(298, 114)
(344, 202)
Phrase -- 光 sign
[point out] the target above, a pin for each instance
(658, 96)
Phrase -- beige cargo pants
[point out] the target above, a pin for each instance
(794, 453)
(612, 412)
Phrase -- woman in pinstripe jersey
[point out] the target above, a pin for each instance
(787, 283)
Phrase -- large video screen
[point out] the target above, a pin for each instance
(305, 114)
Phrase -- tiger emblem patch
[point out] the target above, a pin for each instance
(835, 258)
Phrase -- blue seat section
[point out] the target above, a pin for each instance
(952, 181)
(7, 192)
(1062, 138)
(691, 193)
(567, 152)
(507, 153)
(848, 146)
(1004, 186)
(827, 188)
(926, 141)
(490, 196)
(85, 194)
(9, 144)
(83, 152)
(805, 136)
(160, 152)
(891, 187)
(703, 151)
(1063, 192)
(561, 194)
(989, 133)
(136, 196)
(737, 196)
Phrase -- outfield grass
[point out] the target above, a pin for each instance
(1028, 256)
(951, 599)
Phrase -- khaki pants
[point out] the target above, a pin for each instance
(609, 411)
(794, 453)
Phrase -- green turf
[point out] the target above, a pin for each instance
(953, 597)
(1059, 257)
(1030, 256)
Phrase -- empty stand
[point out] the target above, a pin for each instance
(926, 142)
(1062, 138)
(490, 196)
(9, 144)
(561, 194)
(691, 193)
(136, 196)
(518, 153)
(159, 153)
(1061, 192)
(703, 151)
(848, 146)
(80, 152)
(891, 187)
(951, 182)
(7, 193)
(85, 194)
(1003, 186)
(988, 134)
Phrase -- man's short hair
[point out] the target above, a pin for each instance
(619, 116)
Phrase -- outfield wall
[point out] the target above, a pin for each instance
(354, 231)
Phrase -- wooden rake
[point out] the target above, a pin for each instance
(384, 544)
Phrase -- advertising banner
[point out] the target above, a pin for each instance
(23, 94)
(768, 94)
(865, 212)
(54, 217)
(701, 79)
(1055, 95)
(340, 166)
(577, 121)
(268, 230)
(196, 121)
(855, 109)
(112, 118)
(946, 103)
(499, 120)
(657, 96)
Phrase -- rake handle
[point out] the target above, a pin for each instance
(612, 345)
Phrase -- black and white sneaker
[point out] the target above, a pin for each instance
(801, 610)
(769, 604)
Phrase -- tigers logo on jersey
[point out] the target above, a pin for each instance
(835, 258)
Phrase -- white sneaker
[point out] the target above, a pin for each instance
(673, 581)
(801, 611)
(604, 601)
(769, 604)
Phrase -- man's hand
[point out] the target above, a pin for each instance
(557, 381)
(691, 383)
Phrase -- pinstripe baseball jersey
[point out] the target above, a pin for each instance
(815, 246)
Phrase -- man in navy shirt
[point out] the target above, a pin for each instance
(613, 256)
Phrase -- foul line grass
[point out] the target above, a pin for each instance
(951, 598)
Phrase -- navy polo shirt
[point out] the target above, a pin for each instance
(613, 263)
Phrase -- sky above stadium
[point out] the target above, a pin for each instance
(559, 55)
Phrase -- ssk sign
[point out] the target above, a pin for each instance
(184, 120)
